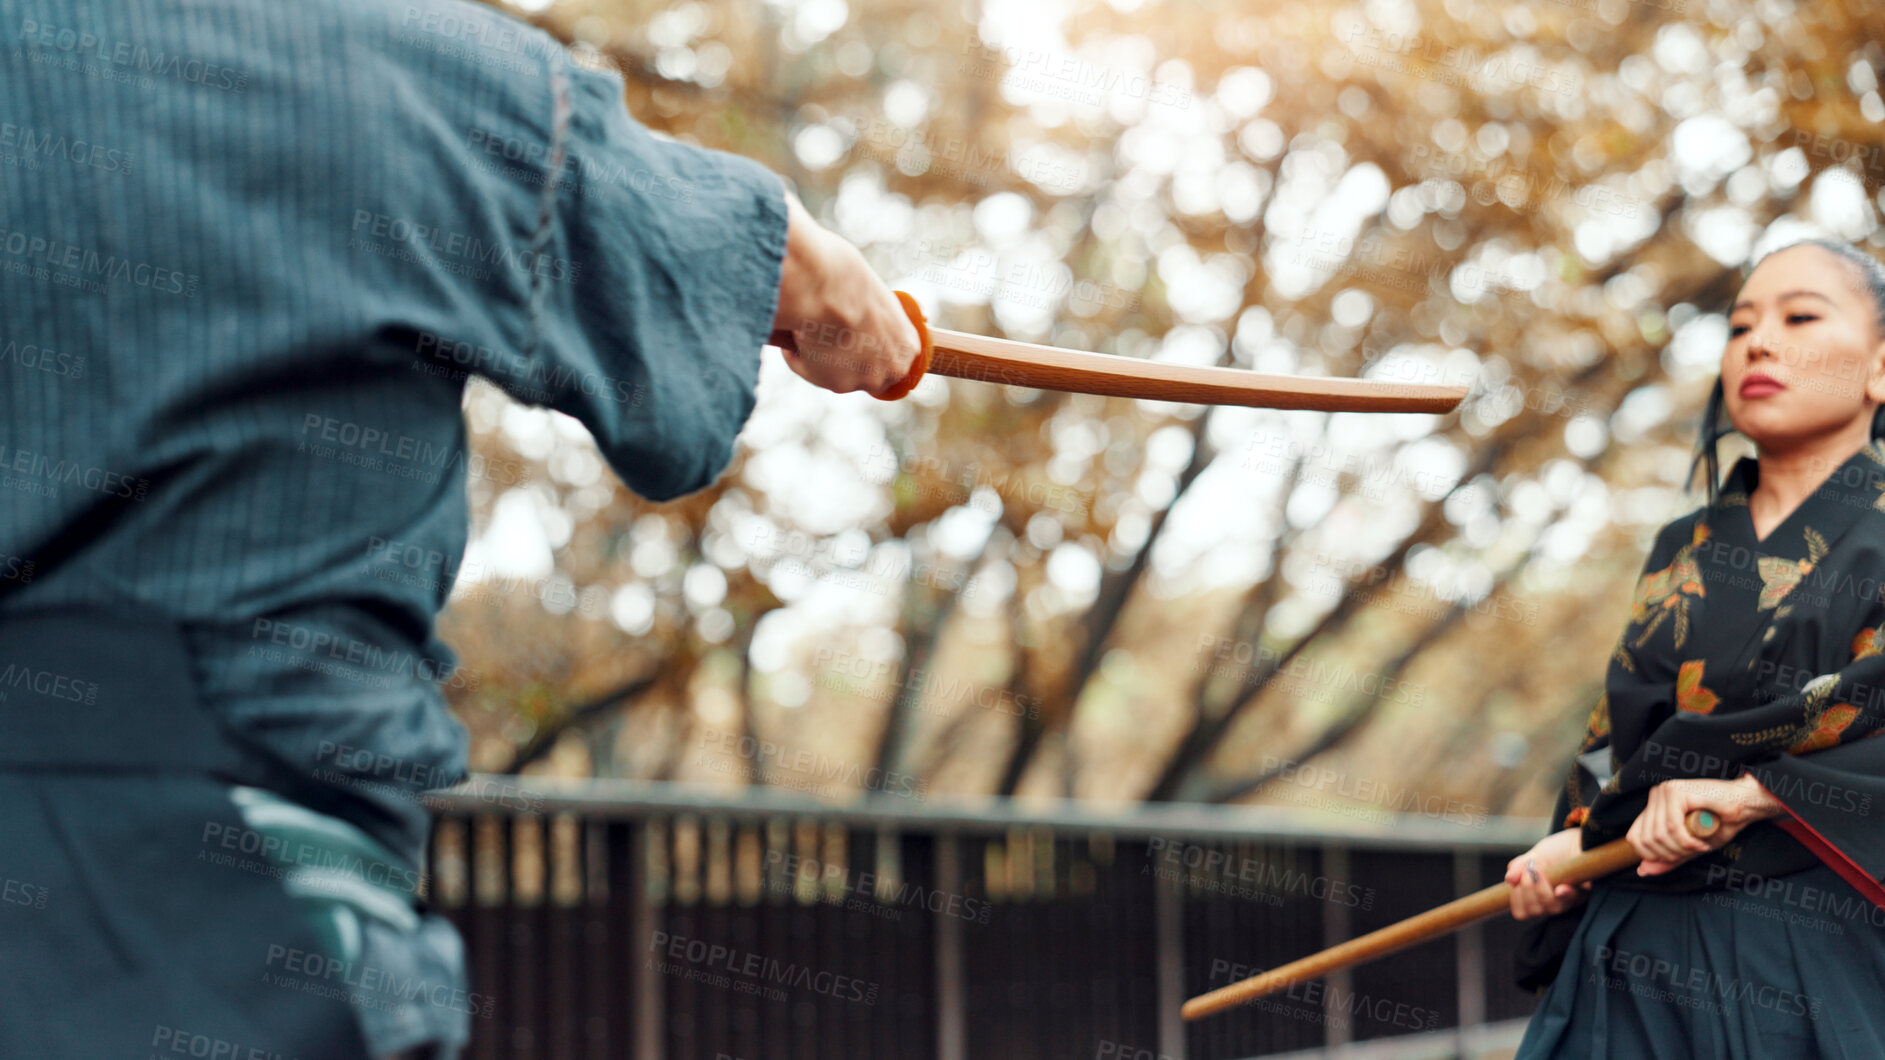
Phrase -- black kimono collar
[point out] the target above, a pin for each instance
(1809, 531)
(1749, 583)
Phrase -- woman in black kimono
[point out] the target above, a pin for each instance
(1749, 681)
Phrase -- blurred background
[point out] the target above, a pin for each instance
(990, 590)
(1301, 675)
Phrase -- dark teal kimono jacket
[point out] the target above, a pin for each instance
(250, 254)
(1763, 655)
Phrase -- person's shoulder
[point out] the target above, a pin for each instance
(461, 36)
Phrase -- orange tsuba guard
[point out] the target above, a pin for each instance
(921, 364)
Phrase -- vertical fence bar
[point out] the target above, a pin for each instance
(616, 996)
(560, 914)
(951, 1010)
(1471, 944)
(1336, 929)
(650, 1028)
(1168, 933)
(490, 898)
(524, 935)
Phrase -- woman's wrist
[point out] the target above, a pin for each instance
(801, 274)
(1756, 801)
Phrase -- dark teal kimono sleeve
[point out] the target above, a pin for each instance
(679, 251)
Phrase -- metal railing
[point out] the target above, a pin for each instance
(608, 919)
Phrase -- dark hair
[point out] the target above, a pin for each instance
(1715, 426)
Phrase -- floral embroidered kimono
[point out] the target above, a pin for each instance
(1741, 653)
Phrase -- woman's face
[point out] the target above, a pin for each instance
(1804, 359)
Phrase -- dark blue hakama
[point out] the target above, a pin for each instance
(1793, 967)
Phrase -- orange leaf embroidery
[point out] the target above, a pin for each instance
(1690, 695)
(1833, 722)
(1868, 642)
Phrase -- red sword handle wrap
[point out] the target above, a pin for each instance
(921, 364)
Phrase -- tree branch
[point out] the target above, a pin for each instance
(545, 739)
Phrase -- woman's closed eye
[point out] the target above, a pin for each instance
(1792, 318)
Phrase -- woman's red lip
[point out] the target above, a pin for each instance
(1760, 386)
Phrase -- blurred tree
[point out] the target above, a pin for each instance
(992, 590)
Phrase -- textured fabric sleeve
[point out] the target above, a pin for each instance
(657, 269)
